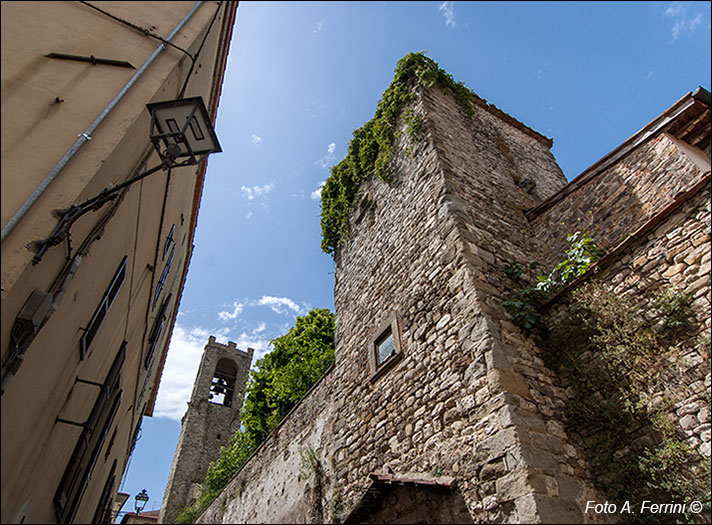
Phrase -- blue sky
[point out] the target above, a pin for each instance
(302, 76)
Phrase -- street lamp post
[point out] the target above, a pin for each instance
(141, 500)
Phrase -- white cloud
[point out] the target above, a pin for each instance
(328, 160)
(319, 25)
(316, 194)
(256, 191)
(260, 344)
(448, 9)
(683, 22)
(236, 311)
(182, 362)
(280, 305)
(256, 139)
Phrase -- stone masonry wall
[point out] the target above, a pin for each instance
(532, 470)
(615, 202)
(675, 253)
(279, 484)
(402, 261)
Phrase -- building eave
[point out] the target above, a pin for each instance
(690, 107)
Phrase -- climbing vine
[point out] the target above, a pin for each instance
(371, 149)
(525, 306)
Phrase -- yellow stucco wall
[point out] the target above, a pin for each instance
(46, 104)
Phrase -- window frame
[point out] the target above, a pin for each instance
(156, 331)
(79, 469)
(112, 291)
(164, 277)
(390, 327)
(169, 241)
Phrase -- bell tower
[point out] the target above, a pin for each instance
(213, 416)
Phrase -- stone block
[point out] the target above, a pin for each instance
(495, 446)
(515, 416)
(546, 442)
(492, 470)
(503, 380)
(558, 510)
(526, 456)
(520, 482)
(570, 488)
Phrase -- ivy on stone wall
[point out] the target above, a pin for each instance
(525, 306)
(371, 149)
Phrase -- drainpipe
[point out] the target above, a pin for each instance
(84, 137)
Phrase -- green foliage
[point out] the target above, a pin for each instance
(309, 463)
(414, 123)
(188, 514)
(615, 359)
(674, 309)
(524, 308)
(371, 148)
(281, 378)
(582, 252)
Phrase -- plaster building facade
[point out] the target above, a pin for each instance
(85, 322)
(213, 416)
(439, 408)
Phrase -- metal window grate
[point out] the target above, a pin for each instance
(385, 347)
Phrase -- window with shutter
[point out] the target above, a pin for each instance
(81, 465)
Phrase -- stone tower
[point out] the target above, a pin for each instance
(213, 416)
(439, 409)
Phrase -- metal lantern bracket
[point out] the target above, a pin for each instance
(177, 151)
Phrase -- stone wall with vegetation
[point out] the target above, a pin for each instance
(534, 471)
(631, 343)
(288, 476)
(470, 396)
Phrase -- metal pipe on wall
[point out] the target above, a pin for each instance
(86, 135)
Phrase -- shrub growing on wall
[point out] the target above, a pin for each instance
(618, 359)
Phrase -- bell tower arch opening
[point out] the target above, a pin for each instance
(222, 386)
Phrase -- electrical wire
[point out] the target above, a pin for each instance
(138, 28)
(200, 48)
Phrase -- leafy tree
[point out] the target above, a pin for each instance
(283, 376)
